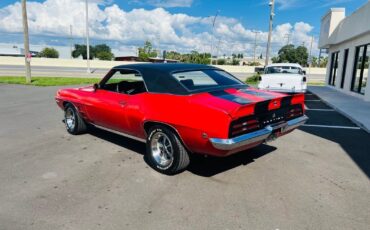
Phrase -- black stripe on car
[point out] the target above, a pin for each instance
(230, 97)
(286, 101)
(258, 94)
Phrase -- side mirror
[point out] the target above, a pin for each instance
(304, 72)
(96, 86)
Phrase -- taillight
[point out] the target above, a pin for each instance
(304, 79)
(242, 126)
(294, 112)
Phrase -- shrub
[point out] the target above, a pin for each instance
(49, 53)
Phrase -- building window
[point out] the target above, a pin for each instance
(333, 68)
(361, 69)
(344, 69)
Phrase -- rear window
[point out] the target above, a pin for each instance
(205, 79)
(283, 69)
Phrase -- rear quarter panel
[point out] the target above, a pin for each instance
(193, 121)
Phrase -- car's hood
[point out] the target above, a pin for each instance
(240, 102)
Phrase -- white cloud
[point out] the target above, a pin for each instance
(179, 32)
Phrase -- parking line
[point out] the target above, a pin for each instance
(312, 100)
(326, 110)
(332, 126)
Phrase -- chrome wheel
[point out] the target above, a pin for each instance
(70, 119)
(162, 150)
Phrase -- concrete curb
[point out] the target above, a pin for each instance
(362, 126)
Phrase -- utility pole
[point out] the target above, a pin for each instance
(27, 54)
(287, 36)
(213, 32)
(87, 37)
(310, 64)
(272, 14)
(71, 40)
(255, 45)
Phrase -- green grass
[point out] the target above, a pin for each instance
(49, 81)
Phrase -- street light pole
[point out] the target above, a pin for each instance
(87, 37)
(27, 54)
(272, 14)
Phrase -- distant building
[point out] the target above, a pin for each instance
(14, 51)
(347, 40)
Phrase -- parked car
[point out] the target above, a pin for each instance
(284, 77)
(181, 109)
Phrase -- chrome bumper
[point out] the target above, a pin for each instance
(257, 136)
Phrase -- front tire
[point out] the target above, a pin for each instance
(165, 152)
(73, 121)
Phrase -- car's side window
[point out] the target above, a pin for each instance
(125, 81)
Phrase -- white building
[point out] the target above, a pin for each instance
(348, 42)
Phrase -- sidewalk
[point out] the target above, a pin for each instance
(354, 108)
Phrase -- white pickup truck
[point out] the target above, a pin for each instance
(284, 77)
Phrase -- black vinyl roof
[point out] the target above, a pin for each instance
(164, 67)
(158, 76)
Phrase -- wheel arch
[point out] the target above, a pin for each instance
(147, 125)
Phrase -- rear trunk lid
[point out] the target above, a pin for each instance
(282, 82)
(244, 101)
(252, 109)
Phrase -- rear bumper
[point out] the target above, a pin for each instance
(301, 89)
(257, 136)
(280, 90)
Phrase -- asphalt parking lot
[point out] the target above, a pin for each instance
(314, 178)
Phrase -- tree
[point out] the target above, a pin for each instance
(290, 54)
(80, 50)
(287, 54)
(275, 60)
(49, 53)
(104, 55)
(221, 62)
(100, 51)
(302, 55)
(147, 52)
(103, 52)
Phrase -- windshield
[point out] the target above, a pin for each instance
(205, 79)
(283, 69)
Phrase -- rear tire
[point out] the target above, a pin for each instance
(73, 121)
(165, 152)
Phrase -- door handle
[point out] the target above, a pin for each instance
(122, 103)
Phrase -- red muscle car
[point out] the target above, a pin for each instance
(178, 109)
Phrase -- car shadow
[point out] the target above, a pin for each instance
(125, 142)
(210, 166)
(199, 165)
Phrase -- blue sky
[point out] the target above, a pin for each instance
(181, 25)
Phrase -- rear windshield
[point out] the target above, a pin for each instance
(283, 69)
(205, 79)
